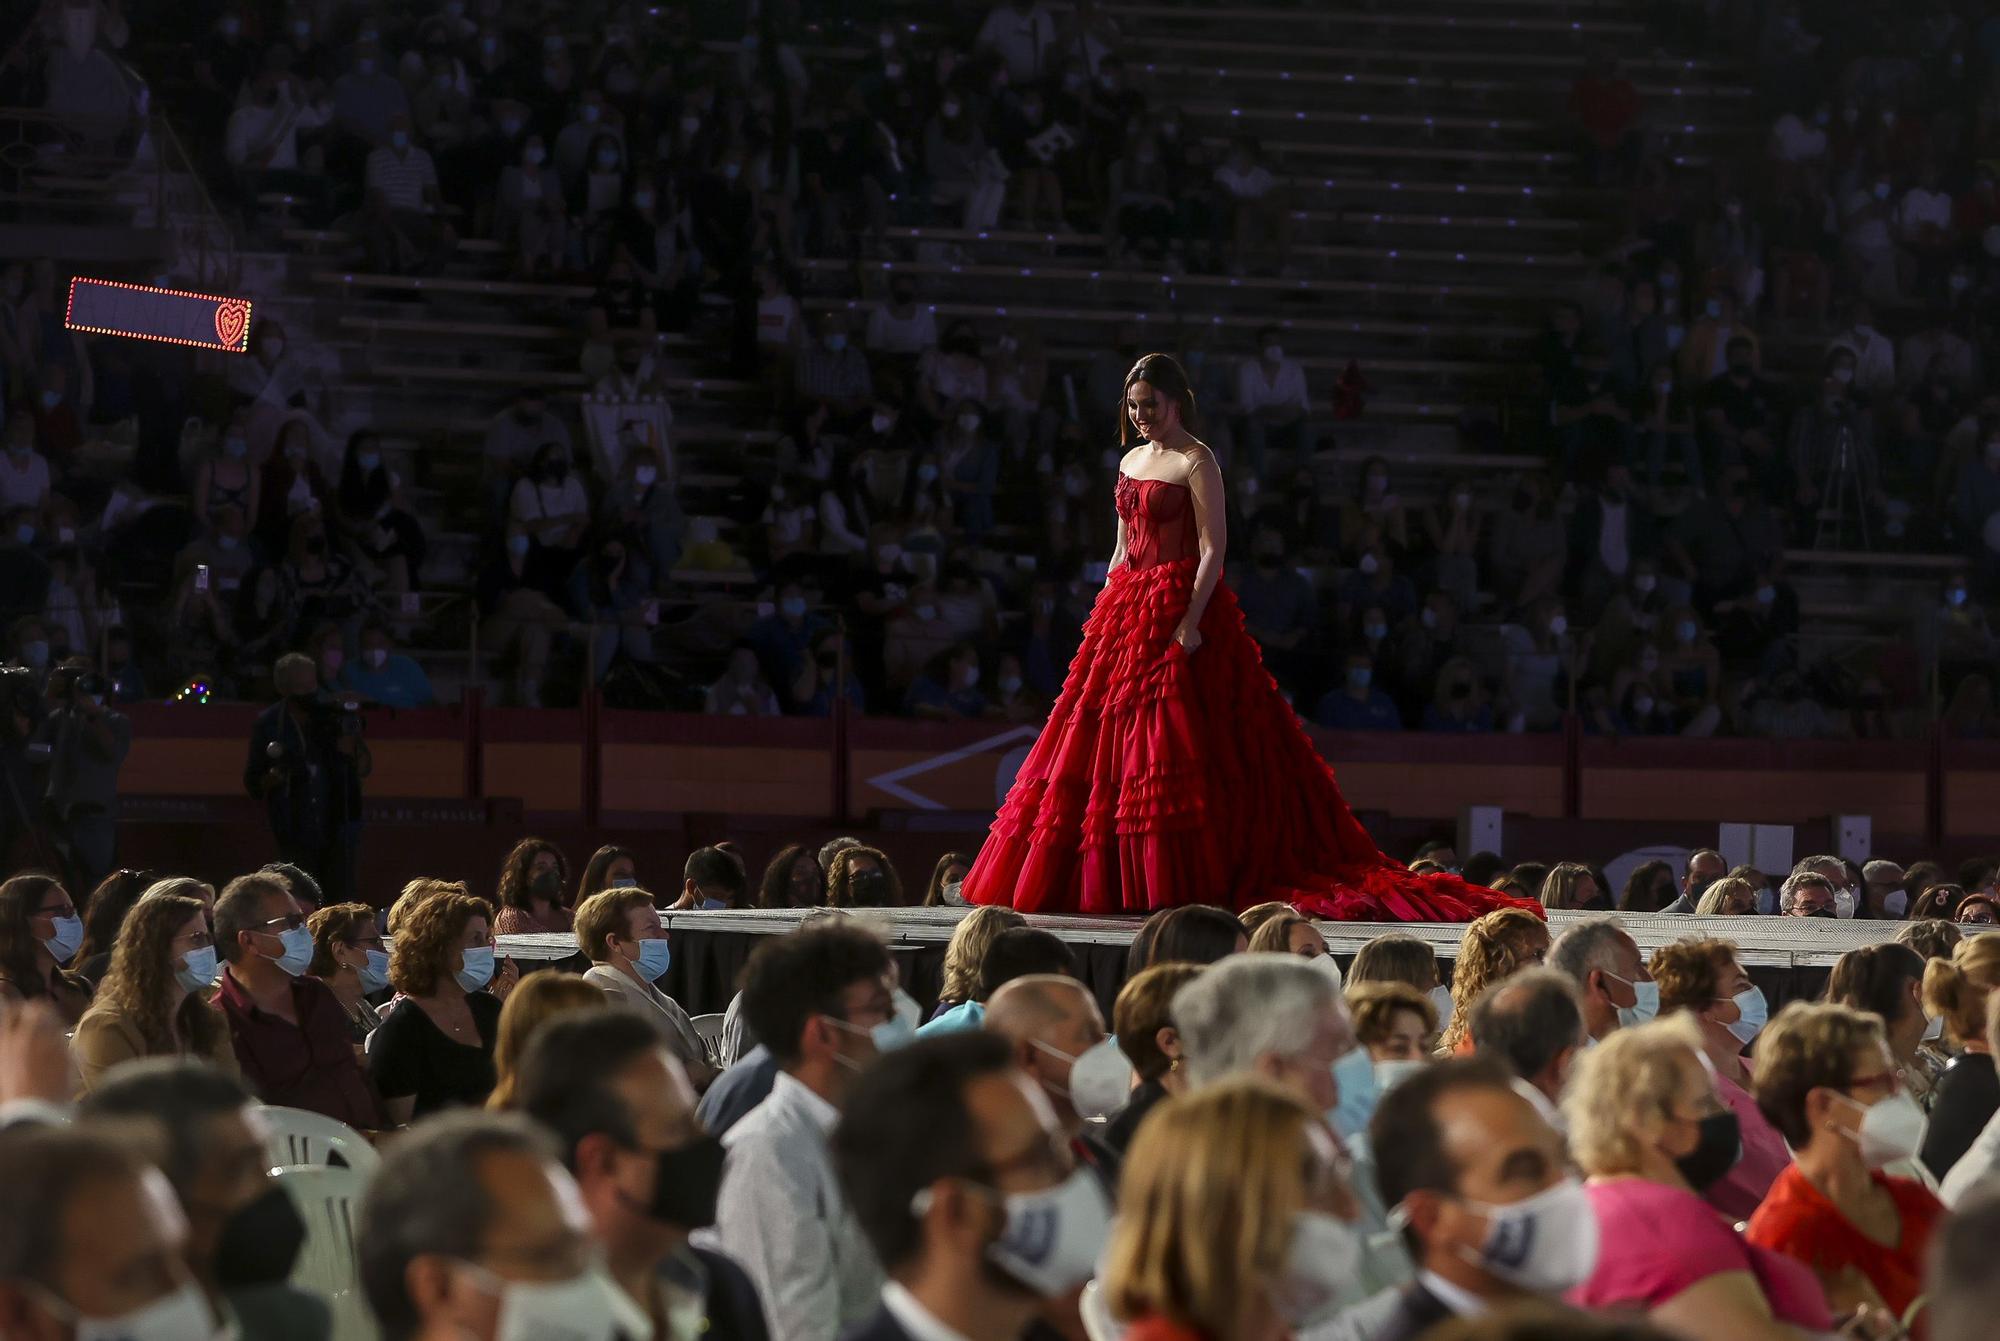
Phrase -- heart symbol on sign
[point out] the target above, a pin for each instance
(232, 318)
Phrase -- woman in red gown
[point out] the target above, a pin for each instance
(1170, 770)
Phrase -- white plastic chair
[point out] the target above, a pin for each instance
(300, 1136)
(328, 1199)
(1098, 1323)
(708, 1028)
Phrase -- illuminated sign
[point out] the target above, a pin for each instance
(106, 307)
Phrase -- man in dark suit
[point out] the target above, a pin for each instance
(622, 1111)
(965, 1185)
(1482, 1188)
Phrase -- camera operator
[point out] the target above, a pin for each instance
(86, 746)
(22, 840)
(306, 763)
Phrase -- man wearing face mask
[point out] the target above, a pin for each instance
(1483, 1194)
(1358, 705)
(1603, 960)
(1272, 398)
(473, 1231)
(620, 931)
(822, 1001)
(961, 1176)
(1846, 901)
(385, 676)
(290, 1033)
(1057, 1032)
(1807, 894)
(831, 377)
(306, 763)
(1532, 1024)
(712, 880)
(244, 1235)
(622, 1111)
(1883, 896)
(92, 1243)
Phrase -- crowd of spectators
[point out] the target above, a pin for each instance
(1259, 1145)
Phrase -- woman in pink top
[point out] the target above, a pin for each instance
(531, 890)
(1646, 1124)
(1702, 977)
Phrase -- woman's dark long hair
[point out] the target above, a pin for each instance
(595, 878)
(20, 900)
(106, 909)
(1165, 375)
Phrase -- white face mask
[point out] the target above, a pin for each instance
(1052, 1237)
(1843, 902)
(182, 1315)
(1394, 1071)
(1321, 1267)
(1546, 1244)
(1935, 1029)
(1100, 1081)
(586, 1307)
(1441, 998)
(1892, 1129)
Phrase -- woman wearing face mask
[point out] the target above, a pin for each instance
(863, 877)
(610, 867)
(290, 486)
(349, 958)
(151, 1002)
(602, 186)
(1703, 978)
(529, 212)
(434, 1048)
(1493, 949)
(1826, 1079)
(969, 467)
(549, 506)
(531, 889)
(1395, 1023)
(793, 879)
(1957, 989)
(226, 478)
(376, 516)
(40, 933)
(1691, 672)
(1236, 1220)
(1887, 980)
(1648, 1129)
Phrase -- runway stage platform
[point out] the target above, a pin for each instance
(1789, 957)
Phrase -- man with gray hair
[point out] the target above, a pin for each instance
(1534, 1024)
(472, 1221)
(1611, 978)
(1845, 899)
(1882, 893)
(1806, 894)
(1277, 1017)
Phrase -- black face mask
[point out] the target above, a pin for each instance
(1822, 912)
(870, 889)
(1715, 1153)
(686, 1184)
(316, 546)
(547, 885)
(259, 1243)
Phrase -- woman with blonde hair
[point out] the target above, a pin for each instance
(966, 951)
(1968, 1094)
(1569, 884)
(1647, 1127)
(1235, 1220)
(540, 998)
(150, 1003)
(1290, 934)
(434, 1047)
(1731, 896)
(1494, 948)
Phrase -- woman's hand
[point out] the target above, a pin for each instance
(1189, 638)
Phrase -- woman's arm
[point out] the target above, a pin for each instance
(1212, 531)
(1729, 1303)
(1118, 549)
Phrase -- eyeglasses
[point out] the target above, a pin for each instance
(289, 923)
(1893, 1079)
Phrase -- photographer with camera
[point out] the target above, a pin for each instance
(306, 763)
(86, 743)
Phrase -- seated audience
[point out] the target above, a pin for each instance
(434, 1047)
(292, 1037)
(1963, 1287)
(348, 956)
(619, 930)
(1532, 1024)
(1611, 979)
(946, 877)
(622, 1112)
(40, 933)
(965, 952)
(530, 894)
(1968, 1095)
(862, 877)
(1143, 1027)
(1290, 934)
(151, 1003)
(821, 999)
(1057, 1032)
(1703, 978)
(1495, 947)
(956, 1175)
(1015, 952)
(1887, 981)
(1198, 933)
(713, 879)
(1827, 1082)
(610, 867)
(1395, 1023)
(540, 998)
(1646, 1126)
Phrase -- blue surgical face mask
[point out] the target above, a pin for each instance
(375, 973)
(1354, 1073)
(198, 969)
(66, 935)
(1644, 1007)
(298, 950)
(624, 882)
(1752, 1011)
(477, 967)
(654, 956)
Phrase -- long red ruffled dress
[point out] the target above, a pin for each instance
(1163, 778)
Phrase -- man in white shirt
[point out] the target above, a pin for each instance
(821, 999)
(403, 229)
(263, 133)
(1020, 32)
(1874, 355)
(1799, 139)
(1923, 219)
(1271, 396)
(1482, 1189)
(963, 1181)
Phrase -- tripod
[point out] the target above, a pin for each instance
(1843, 490)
